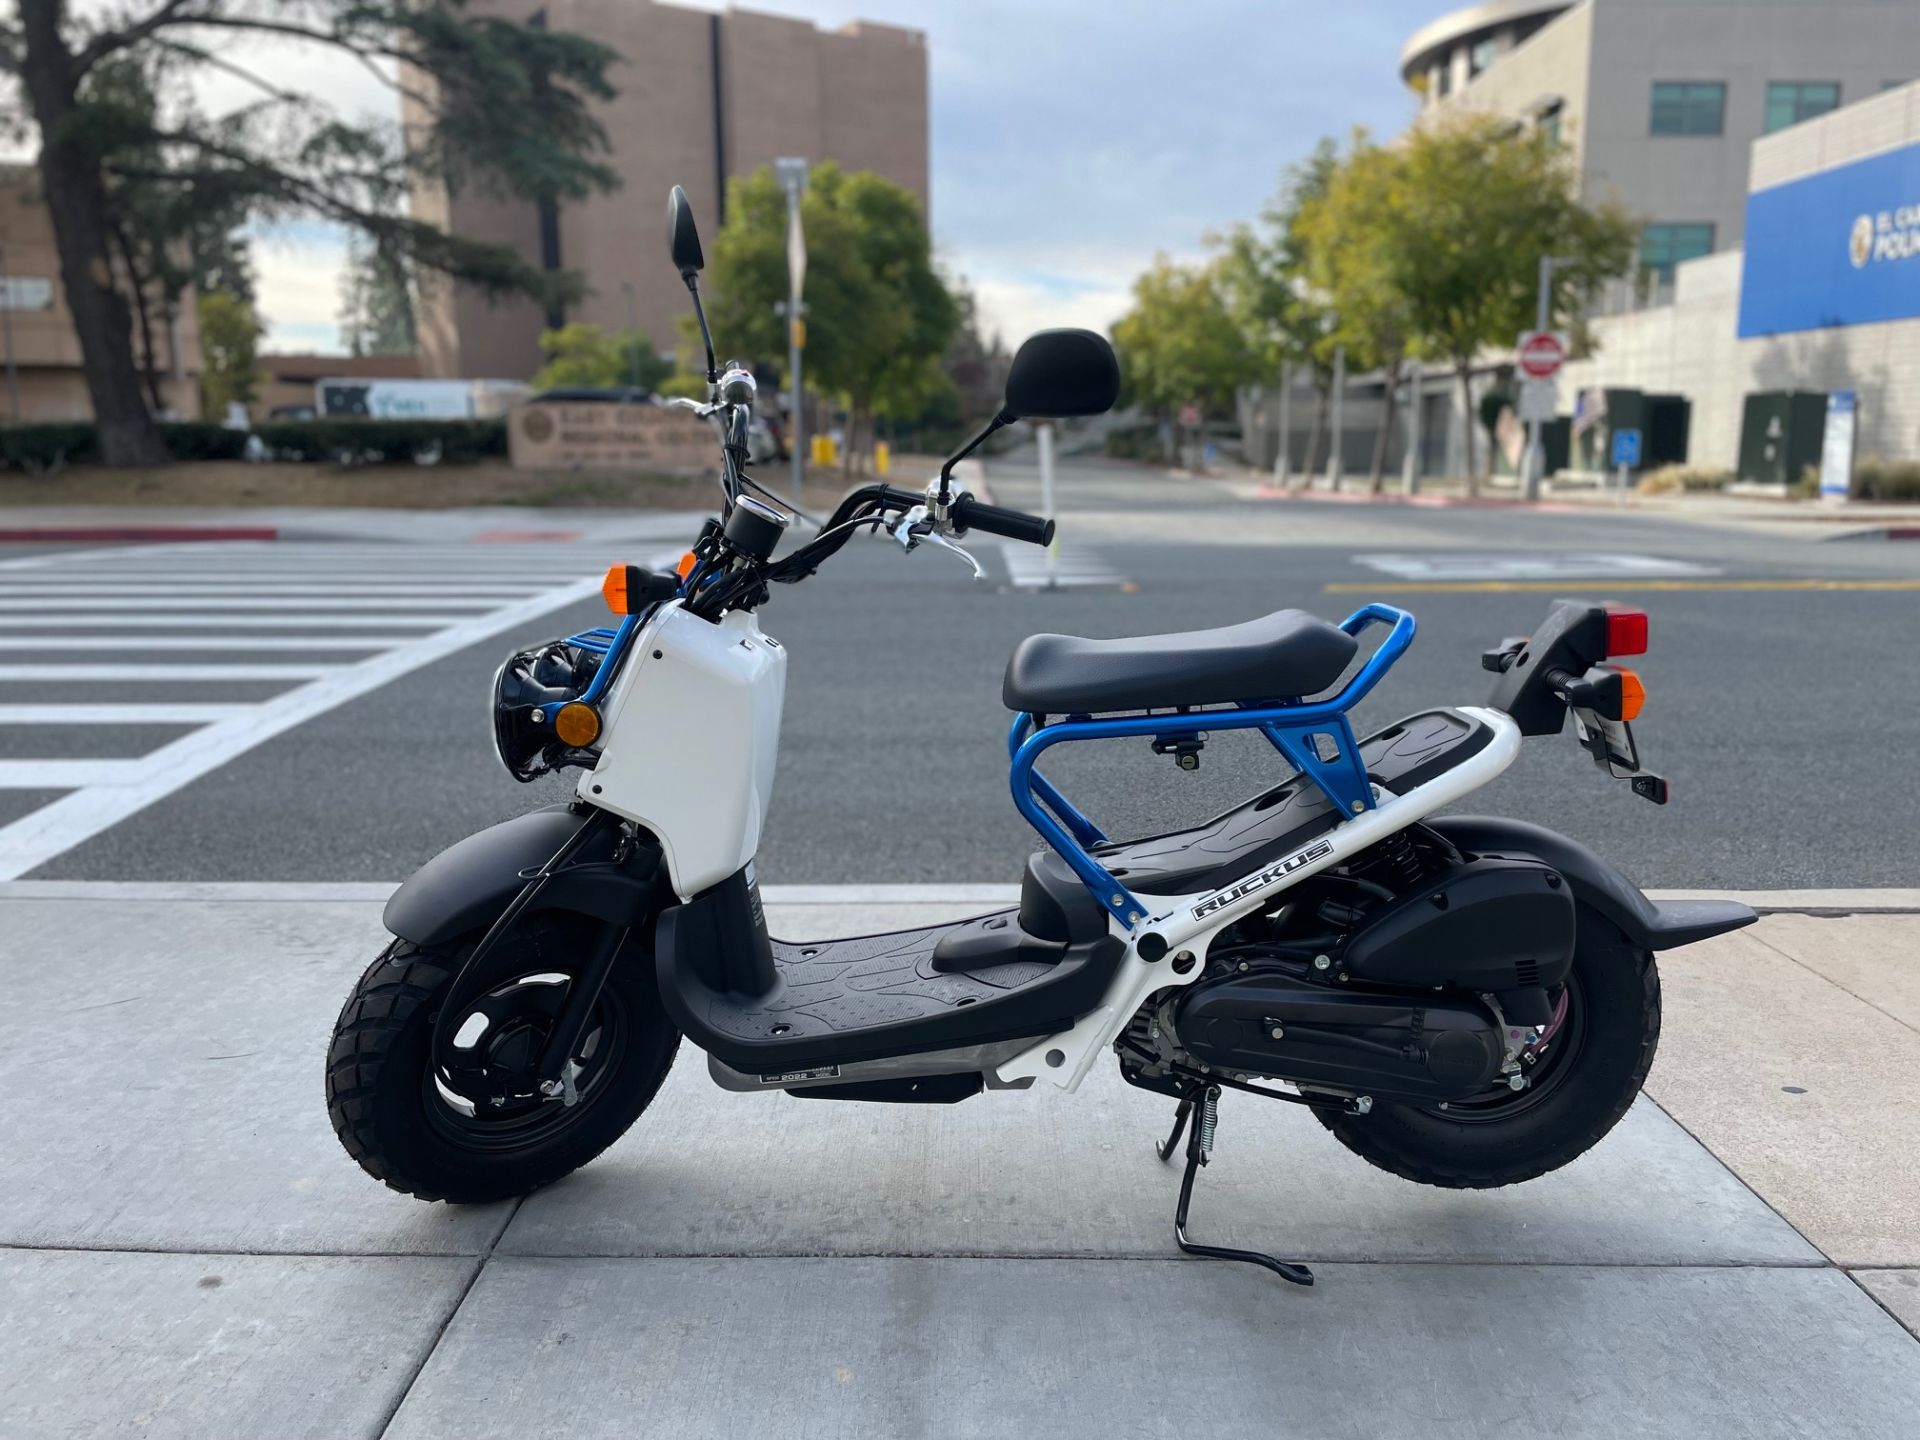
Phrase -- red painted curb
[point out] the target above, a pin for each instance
(138, 532)
(1903, 532)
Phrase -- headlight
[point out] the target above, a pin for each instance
(537, 683)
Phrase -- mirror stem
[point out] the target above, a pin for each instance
(700, 313)
(999, 422)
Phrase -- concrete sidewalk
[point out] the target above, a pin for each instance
(184, 1249)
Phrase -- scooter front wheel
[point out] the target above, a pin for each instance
(1577, 1084)
(486, 1133)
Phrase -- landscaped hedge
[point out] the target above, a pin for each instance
(1877, 479)
(39, 449)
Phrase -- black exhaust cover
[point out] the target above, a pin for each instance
(1490, 924)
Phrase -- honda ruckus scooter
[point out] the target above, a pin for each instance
(1461, 1001)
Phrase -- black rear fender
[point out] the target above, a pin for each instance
(463, 889)
(1648, 925)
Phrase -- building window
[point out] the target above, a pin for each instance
(1664, 246)
(1791, 101)
(1482, 56)
(1549, 125)
(1685, 107)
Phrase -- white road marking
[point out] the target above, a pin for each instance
(1027, 567)
(1445, 566)
(199, 643)
(53, 674)
(121, 714)
(229, 622)
(410, 608)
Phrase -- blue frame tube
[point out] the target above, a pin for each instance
(1287, 726)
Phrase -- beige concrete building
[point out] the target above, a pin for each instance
(1661, 101)
(1731, 332)
(703, 96)
(37, 328)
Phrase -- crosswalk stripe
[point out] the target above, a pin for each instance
(246, 603)
(1028, 568)
(201, 642)
(223, 589)
(59, 674)
(158, 714)
(64, 774)
(232, 622)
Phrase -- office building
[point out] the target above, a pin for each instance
(702, 96)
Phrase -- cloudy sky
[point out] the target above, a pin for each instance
(1072, 139)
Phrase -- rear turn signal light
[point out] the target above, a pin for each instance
(1633, 694)
(687, 562)
(577, 724)
(1626, 632)
(614, 589)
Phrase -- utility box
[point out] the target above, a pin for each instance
(1662, 420)
(1668, 427)
(1781, 432)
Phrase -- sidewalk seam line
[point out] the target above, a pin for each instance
(1795, 960)
(453, 1311)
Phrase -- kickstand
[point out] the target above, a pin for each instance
(1199, 1142)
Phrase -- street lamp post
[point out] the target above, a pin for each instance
(1536, 466)
(791, 170)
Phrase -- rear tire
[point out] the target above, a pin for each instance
(394, 1116)
(1505, 1138)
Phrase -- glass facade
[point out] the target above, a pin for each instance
(1689, 107)
(1664, 246)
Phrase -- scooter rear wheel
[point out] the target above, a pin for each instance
(437, 1136)
(1580, 1083)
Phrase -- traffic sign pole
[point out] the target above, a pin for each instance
(1535, 468)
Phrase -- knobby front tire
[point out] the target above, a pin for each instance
(397, 1122)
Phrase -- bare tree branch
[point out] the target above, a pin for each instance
(108, 42)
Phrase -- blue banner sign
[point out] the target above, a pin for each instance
(1838, 248)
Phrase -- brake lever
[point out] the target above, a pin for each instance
(917, 525)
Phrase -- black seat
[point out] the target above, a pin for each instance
(1286, 654)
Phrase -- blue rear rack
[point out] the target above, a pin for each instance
(1295, 729)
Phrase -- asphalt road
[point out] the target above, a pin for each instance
(1787, 718)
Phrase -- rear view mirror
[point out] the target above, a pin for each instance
(1058, 374)
(683, 237)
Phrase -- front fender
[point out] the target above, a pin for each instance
(1648, 925)
(466, 886)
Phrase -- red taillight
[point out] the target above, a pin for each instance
(1626, 632)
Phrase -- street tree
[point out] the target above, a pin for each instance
(582, 354)
(1263, 275)
(1461, 235)
(1346, 260)
(1179, 345)
(878, 315)
(229, 352)
(376, 301)
(489, 103)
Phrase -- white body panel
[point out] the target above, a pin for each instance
(691, 739)
(1190, 922)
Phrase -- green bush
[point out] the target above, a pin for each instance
(1875, 478)
(1134, 442)
(38, 449)
(360, 442)
(43, 449)
(1672, 479)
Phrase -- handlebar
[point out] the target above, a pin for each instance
(973, 514)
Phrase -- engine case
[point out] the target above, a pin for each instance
(1491, 924)
(1406, 1047)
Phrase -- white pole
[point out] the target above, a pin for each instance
(1045, 439)
(1410, 470)
(1337, 421)
(796, 425)
(1280, 458)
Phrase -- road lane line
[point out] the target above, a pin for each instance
(226, 589)
(119, 714)
(39, 836)
(1487, 587)
(61, 674)
(245, 603)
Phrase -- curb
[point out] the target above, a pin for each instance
(1423, 502)
(87, 534)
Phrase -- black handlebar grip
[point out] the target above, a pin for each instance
(972, 514)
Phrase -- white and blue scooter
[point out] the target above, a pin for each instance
(1462, 1001)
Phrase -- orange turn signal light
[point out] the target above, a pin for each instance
(1633, 694)
(687, 562)
(577, 724)
(614, 589)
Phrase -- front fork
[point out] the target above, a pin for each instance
(617, 891)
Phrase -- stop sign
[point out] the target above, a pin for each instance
(1542, 353)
